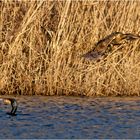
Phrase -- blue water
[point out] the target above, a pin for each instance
(72, 117)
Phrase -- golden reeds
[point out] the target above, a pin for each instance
(41, 44)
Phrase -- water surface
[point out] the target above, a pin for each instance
(72, 117)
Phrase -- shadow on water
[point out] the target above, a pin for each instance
(72, 117)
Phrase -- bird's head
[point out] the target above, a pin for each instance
(7, 101)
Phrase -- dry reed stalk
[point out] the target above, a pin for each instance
(41, 43)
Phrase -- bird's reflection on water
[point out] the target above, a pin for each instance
(72, 117)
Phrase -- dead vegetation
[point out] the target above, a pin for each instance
(41, 44)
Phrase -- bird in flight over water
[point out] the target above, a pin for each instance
(105, 45)
(13, 104)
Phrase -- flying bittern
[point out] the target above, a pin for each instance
(13, 104)
(116, 38)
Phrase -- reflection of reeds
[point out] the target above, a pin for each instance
(41, 42)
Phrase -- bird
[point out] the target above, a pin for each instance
(13, 104)
(105, 45)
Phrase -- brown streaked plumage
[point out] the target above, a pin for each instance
(105, 44)
(112, 39)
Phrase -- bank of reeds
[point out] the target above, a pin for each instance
(41, 43)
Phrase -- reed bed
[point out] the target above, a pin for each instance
(41, 44)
